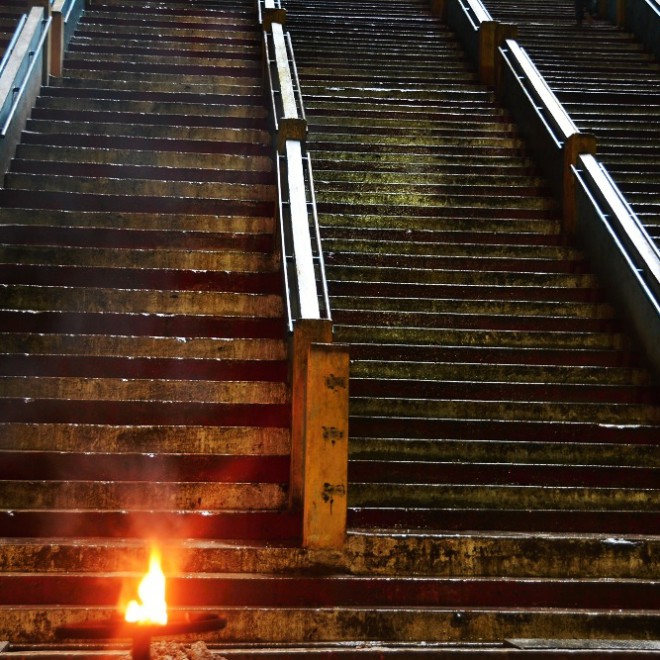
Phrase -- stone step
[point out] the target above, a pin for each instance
(117, 129)
(139, 187)
(177, 164)
(142, 389)
(182, 348)
(353, 286)
(93, 202)
(500, 258)
(495, 277)
(149, 44)
(456, 372)
(398, 321)
(365, 553)
(480, 428)
(421, 229)
(135, 496)
(505, 409)
(488, 307)
(106, 248)
(150, 438)
(107, 300)
(530, 452)
(385, 625)
(159, 87)
(142, 323)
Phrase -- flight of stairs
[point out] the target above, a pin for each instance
(494, 394)
(144, 365)
(610, 86)
(143, 329)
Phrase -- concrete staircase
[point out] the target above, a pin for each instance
(610, 86)
(494, 394)
(504, 435)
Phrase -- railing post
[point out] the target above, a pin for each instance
(305, 333)
(439, 9)
(576, 144)
(57, 40)
(325, 464)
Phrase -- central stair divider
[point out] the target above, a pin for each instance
(319, 369)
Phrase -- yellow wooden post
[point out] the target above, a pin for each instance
(326, 447)
(576, 144)
(621, 13)
(57, 42)
(439, 9)
(305, 333)
(487, 48)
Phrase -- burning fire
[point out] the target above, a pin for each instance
(153, 607)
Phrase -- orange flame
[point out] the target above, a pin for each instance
(153, 607)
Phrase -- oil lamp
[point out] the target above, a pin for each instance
(144, 618)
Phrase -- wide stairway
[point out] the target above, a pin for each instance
(144, 366)
(610, 86)
(498, 410)
(504, 432)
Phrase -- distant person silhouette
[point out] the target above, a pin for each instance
(582, 8)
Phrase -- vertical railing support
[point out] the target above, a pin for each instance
(57, 40)
(325, 465)
(575, 144)
(305, 333)
(318, 368)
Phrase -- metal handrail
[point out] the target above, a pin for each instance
(272, 88)
(623, 253)
(12, 44)
(297, 90)
(317, 245)
(548, 107)
(20, 84)
(640, 247)
(303, 266)
(285, 251)
(476, 12)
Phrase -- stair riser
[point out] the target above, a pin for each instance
(40, 411)
(338, 592)
(375, 387)
(275, 527)
(529, 522)
(118, 203)
(483, 429)
(391, 472)
(141, 467)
